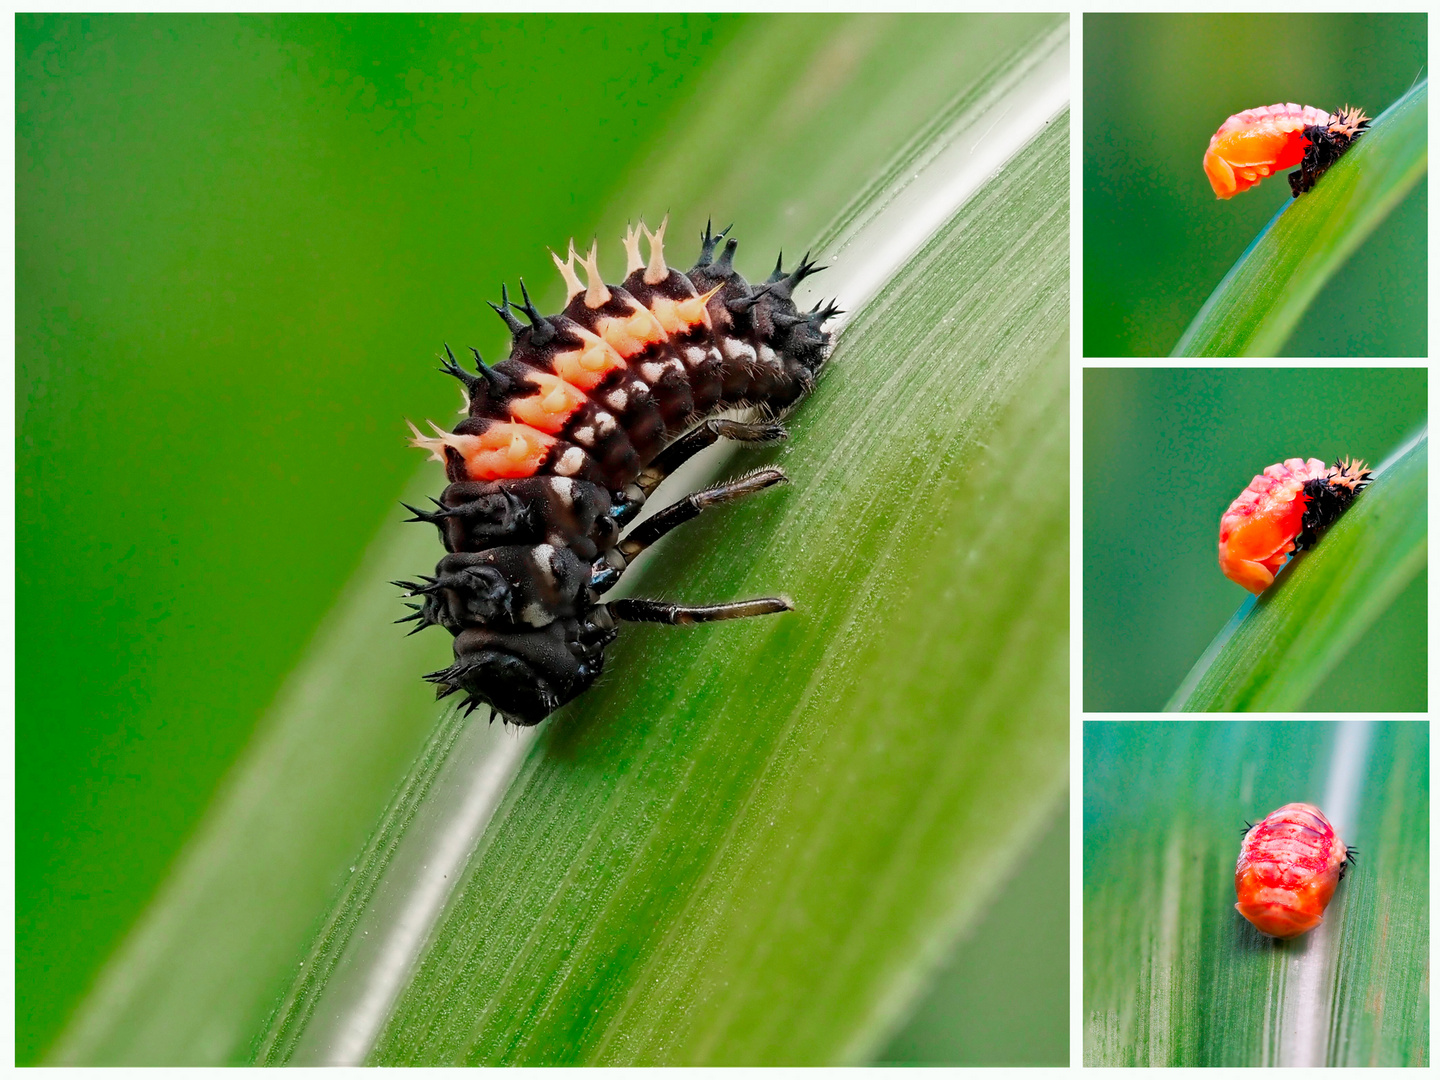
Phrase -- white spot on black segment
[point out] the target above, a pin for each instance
(536, 614)
(768, 357)
(570, 461)
(735, 349)
(674, 364)
(604, 423)
(565, 489)
(585, 436)
(543, 556)
(694, 356)
(651, 372)
(617, 400)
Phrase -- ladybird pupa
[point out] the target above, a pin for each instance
(1281, 511)
(1290, 862)
(1256, 143)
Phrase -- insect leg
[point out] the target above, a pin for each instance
(607, 569)
(656, 611)
(653, 528)
(697, 439)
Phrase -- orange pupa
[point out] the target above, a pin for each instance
(1289, 865)
(1282, 511)
(1256, 143)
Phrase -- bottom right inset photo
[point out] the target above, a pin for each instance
(1256, 892)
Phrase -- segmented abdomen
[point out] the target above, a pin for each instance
(1289, 865)
(594, 393)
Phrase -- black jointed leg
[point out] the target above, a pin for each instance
(697, 439)
(656, 611)
(653, 528)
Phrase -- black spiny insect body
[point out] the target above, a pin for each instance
(565, 439)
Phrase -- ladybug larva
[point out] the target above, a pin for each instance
(1289, 865)
(565, 439)
(1283, 510)
(1257, 142)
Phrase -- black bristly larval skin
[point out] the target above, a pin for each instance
(1326, 144)
(1330, 496)
(565, 439)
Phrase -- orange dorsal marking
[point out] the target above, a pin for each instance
(505, 451)
(632, 334)
(550, 406)
(586, 367)
(680, 317)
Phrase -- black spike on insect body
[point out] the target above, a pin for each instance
(504, 311)
(544, 329)
(430, 517)
(742, 304)
(708, 242)
(419, 616)
(451, 366)
(498, 383)
(783, 284)
(725, 265)
(414, 588)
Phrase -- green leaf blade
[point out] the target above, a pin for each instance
(736, 861)
(1253, 311)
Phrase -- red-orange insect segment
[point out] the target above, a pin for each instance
(1257, 533)
(1282, 511)
(1253, 144)
(1289, 865)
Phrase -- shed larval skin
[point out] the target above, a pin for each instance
(1289, 865)
(1258, 531)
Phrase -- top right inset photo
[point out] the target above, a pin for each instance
(1253, 185)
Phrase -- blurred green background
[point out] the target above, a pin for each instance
(1157, 241)
(240, 242)
(1166, 450)
(1172, 973)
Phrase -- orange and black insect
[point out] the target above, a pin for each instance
(1283, 510)
(1290, 862)
(1253, 144)
(565, 439)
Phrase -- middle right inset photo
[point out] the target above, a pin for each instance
(1255, 539)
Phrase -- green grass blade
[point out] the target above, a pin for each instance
(1173, 975)
(749, 855)
(994, 1003)
(228, 933)
(1275, 653)
(1266, 293)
